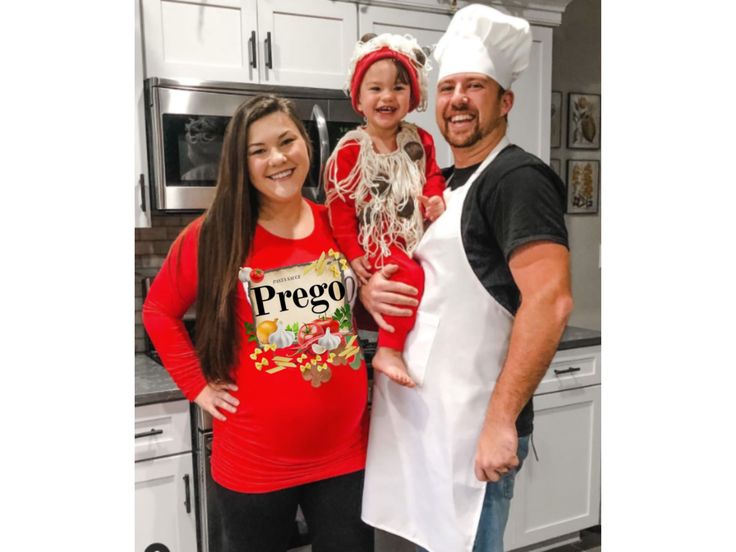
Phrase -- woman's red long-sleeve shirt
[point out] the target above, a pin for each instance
(296, 423)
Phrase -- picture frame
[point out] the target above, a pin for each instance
(583, 121)
(583, 186)
(555, 127)
(556, 166)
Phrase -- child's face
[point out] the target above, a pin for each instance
(383, 101)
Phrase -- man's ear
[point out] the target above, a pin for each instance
(507, 102)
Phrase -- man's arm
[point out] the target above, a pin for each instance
(541, 272)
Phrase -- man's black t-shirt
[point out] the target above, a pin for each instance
(516, 200)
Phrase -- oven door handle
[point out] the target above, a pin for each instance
(324, 143)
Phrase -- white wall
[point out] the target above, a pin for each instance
(576, 67)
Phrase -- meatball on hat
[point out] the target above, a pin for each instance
(404, 49)
(481, 39)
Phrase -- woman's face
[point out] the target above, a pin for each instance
(278, 161)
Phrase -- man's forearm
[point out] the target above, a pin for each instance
(535, 335)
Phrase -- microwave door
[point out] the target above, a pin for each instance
(189, 129)
(324, 150)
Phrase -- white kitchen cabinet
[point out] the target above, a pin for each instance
(529, 119)
(165, 505)
(201, 39)
(141, 201)
(310, 42)
(558, 494)
(282, 42)
(427, 28)
(164, 479)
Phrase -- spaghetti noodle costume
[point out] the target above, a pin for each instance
(372, 197)
(373, 208)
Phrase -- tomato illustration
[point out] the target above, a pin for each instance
(325, 323)
(307, 332)
(256, 275)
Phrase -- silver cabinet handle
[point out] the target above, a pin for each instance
(149, 433)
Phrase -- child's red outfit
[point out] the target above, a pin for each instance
(302, 392)
(374, 210)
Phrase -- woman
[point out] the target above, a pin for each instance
(276, 360)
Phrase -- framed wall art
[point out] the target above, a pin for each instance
(556, 166)
(583, 186)
(555, 126)
(583, 121)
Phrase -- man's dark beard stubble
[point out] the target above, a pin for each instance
(470, 140)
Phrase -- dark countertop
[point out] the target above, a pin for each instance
(154, 385)
(575, 337)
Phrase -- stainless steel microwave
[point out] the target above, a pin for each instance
(185, 125)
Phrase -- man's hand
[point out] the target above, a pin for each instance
(496, 452)
(382, 296)
(434, 206)
(215, 396)
(362, 268)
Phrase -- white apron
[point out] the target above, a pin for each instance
(420, 482)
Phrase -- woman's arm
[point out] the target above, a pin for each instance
(172, 292)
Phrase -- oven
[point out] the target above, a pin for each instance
(185, 126)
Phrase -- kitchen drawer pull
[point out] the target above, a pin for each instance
(149, 433)
(569, 370)
(252, 49)
(269, 54)
(188, 498)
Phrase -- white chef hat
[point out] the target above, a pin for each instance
(481, 39)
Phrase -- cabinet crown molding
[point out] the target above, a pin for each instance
(537, 12)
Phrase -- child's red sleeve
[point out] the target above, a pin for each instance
(435, 182)
(172, 292)
(341, 209)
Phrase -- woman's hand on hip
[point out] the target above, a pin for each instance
(382, 296)
(215, 397)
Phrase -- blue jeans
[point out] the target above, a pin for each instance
(496, 504)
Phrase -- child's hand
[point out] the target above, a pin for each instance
(362, 268)
(433, 207)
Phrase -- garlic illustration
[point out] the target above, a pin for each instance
(281, 337)
(244, 274)
(329, 341)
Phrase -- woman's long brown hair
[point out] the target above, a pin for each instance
(225, 240)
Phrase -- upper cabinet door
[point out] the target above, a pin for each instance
(306, 43)
(203, 39)
(142, 209)
(529, 120)
(427, 28)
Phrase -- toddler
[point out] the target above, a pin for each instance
(382, 180)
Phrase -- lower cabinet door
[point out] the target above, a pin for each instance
(165, 519)
(559, 493)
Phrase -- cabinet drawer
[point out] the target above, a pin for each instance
(572, 368)
(162, 429)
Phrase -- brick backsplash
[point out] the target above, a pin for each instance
(151, 246)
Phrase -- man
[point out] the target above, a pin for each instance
(442, 457)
